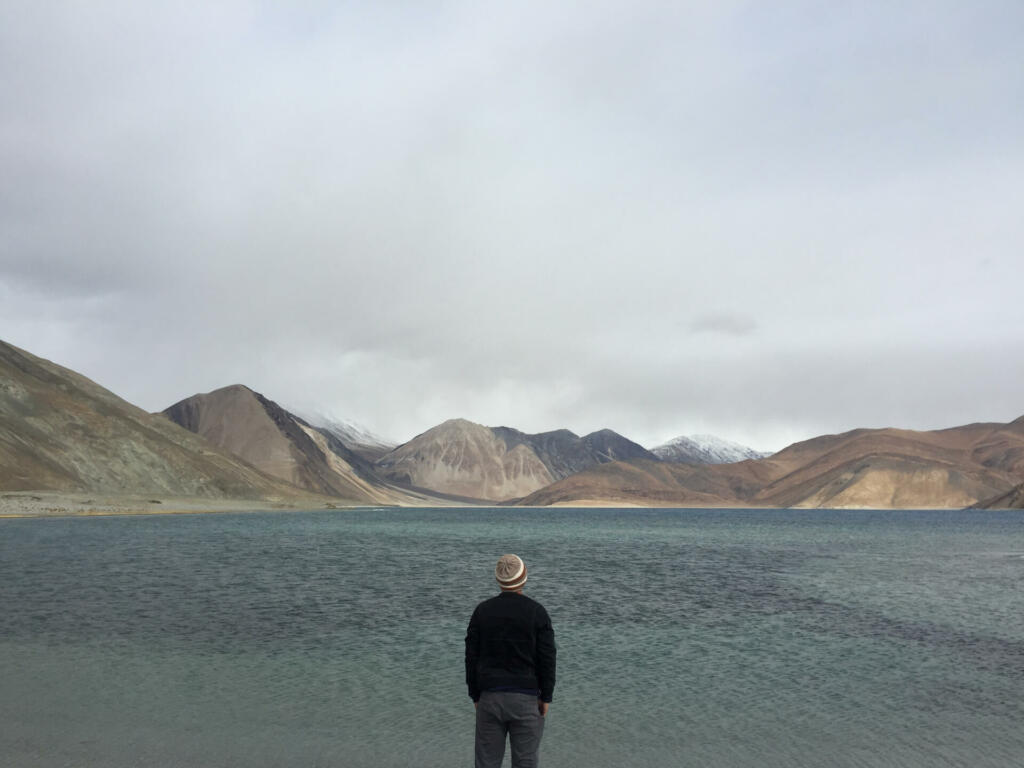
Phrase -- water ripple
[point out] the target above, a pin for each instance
(725, 638)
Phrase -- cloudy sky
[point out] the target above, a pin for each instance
(761, 220)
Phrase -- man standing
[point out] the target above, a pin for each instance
(510, 669)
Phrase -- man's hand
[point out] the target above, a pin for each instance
(476, 704)
(542, 706)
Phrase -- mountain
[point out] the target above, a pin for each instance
(60, 431)
(899, 468)
(264, 434)
(356, 438)
(872, 468)
(705, 449)
(498, 464)
(465, 459)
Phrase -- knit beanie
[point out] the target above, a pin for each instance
(510, 572)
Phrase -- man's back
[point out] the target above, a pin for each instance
(510, 644)
(510, 669)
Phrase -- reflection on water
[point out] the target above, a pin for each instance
(725, 638)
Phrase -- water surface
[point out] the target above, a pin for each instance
(686, 637)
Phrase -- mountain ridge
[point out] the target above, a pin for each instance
(876, 468)
(62, 432)
(499, 463)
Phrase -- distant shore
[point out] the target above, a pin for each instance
(15, 504)
(39, 504)
(23, 504)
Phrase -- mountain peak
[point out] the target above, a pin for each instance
(560, 433)
(458, 422)
(457, 426)
(705, 449)
(230, 389)
(609, 445)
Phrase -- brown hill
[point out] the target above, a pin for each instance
(899, 468)
(59, 431)
(465, 459)
(259, 431)
(879, 468)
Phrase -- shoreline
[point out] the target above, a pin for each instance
(43, 504)
(16, 505)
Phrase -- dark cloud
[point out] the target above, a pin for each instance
(698, 217)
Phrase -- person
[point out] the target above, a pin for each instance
(510, 669)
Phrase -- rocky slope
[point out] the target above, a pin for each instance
(705, 449)
(497, 464)
(881, 468)
(259, 431)
(1012, 499)
(60, 431)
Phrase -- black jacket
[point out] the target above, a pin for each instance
(510, 644)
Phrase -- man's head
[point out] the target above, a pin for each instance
(510, 573)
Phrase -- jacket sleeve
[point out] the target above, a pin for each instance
(545, 655)
(472, 656)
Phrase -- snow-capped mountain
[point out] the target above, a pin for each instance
(705, 449)
(353, 436)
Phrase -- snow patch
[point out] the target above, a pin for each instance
(350, 433)
(705, 449)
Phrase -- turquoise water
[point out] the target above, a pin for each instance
(686, 637)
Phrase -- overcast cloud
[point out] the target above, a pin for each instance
(761, 220)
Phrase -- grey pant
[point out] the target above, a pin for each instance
(516, 714)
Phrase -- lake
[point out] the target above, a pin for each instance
(685, 637)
